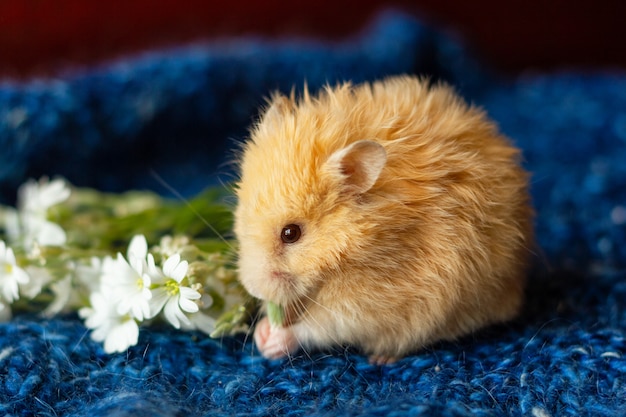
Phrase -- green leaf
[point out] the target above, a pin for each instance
(275, 314)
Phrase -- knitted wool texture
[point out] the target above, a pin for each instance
(177, 112)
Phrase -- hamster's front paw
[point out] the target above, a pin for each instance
(274, 342)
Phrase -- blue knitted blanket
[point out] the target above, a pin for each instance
(179, 112)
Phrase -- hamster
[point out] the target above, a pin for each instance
(384, 216)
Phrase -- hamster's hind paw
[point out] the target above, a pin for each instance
(381, 360)
(274, 342)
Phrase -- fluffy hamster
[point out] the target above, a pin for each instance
(385, 216)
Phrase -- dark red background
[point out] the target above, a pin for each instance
(40, 36)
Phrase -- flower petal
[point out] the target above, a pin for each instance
(173, 314)
(157, 302)
(9, 256)
(37, 228)
(189, 293)
(175, 268)
(62, 291)
(187, 305)
(202, 322)
(154, 272)
(50, 234)
(20, 276)
(170, 264)
(9, 291)
(52, 193)
(121, 337)
(138, 247)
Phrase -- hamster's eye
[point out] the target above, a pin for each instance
(290, 233)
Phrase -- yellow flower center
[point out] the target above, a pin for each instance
(172, 287)
(140, 283)
(8, 268)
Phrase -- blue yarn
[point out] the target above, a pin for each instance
(180, 111)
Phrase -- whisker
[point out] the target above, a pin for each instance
(319, 305)
(302, 347)
(302, 307)
(250, 332)
(312, 321)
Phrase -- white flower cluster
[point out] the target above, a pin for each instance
(112, 294)
(29, 227)
(134, 289)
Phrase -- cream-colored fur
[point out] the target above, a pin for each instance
(418, 232)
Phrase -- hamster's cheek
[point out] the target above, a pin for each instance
(252, 267)
(261, 276)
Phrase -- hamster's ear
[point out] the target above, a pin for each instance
(358, 165)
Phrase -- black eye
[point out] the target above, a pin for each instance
(290, 233)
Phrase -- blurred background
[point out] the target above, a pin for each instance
(96, 108)
(39, 37)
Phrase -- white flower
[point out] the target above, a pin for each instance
(37, 198)
(39, 278)
(63, 291)
(129, 281)
(137, 249)
(11, 220)
(81, 280)
(38, 229)
(30, 224)
(173, 298)
(122, 297)
(169, 246)
(11, 275)
(88, 275)
(117, 331)
(200, 321)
